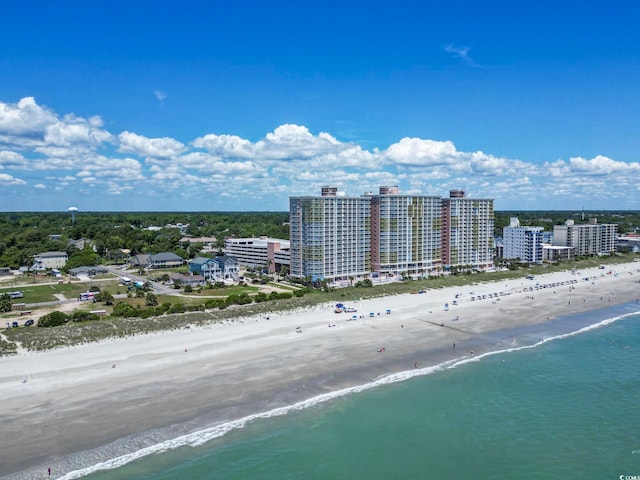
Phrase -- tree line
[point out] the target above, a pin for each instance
(25, 234)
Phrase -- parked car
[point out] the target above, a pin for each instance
(28, 323)
(14, 324)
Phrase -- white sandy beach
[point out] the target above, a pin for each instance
(65, 401)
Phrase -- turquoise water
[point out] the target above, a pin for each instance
(566, 408)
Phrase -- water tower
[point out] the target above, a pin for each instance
(73, 211)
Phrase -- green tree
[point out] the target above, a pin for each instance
(106, 298)
(81, 258)
(5, 303)
(151, 300)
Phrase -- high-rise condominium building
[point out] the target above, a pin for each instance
(335, 237)
(588, 239)
(330, 236)
(467, 230)
(522, 242)
(405, 232)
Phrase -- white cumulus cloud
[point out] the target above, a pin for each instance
(6, 179)
(155, 148)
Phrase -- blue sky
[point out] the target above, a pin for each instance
(236, 106)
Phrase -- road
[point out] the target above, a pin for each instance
(159, 288)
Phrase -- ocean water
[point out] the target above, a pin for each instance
(564, 407)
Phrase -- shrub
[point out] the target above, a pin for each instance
(81, 316)
(177, 308)
(242, 299)
(53, 319)
(147, 312)
(261, 297)
(280, 296)
(214, 303)
(165, 307)
(195, 308)
(123, 309)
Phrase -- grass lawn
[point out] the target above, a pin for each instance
(34, 293)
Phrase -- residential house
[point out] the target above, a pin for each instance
(218, 269)
(156, 261)
(165, 260)
(87, 271)
(192, 280)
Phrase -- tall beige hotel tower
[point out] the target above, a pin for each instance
(405, 232)
(467, 231)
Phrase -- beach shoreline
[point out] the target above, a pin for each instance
(59, 403)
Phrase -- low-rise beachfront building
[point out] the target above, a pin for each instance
(589, 239)
(223, 268)
(467, 231)
(555, 253)
(271, 253)
(522, 242)
(48, 260)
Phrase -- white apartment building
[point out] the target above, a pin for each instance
(522, 242)
(272, 253)
(330, 236)
(588, 239)
(48, 260)
(467, 231)
(405, 232)
(555, 253)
